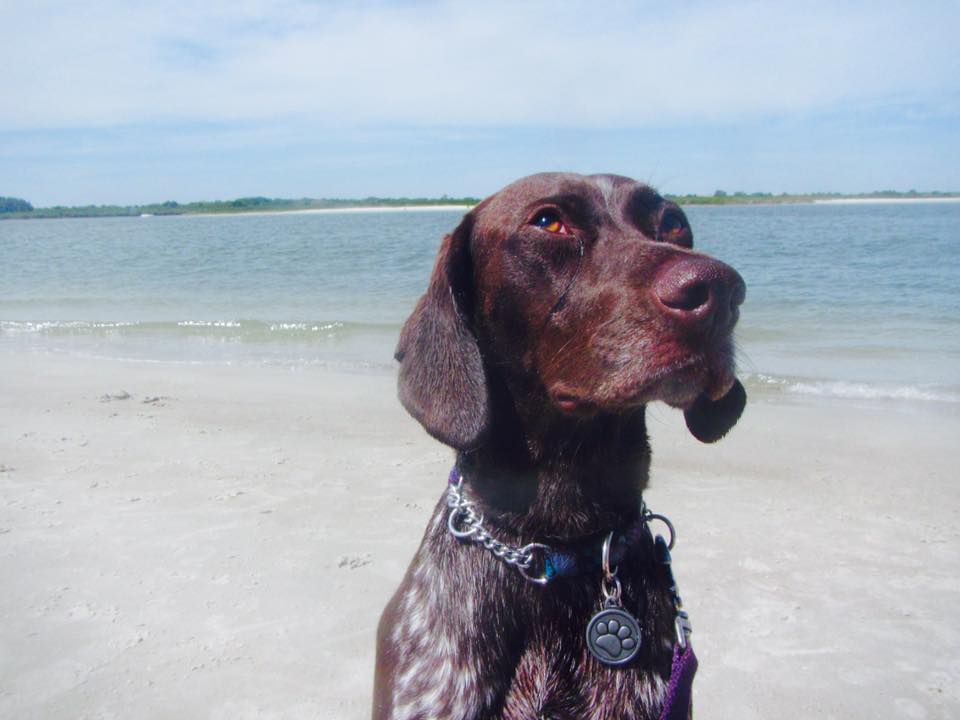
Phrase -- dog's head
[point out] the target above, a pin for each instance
(587, 290)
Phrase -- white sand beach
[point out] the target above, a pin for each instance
(339, 210)
(191, 541)
(887, 201)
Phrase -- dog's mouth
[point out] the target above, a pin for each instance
(697, 378)
(681, 384)
(570, 402)
(711, 397)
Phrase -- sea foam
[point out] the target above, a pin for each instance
(853, 390)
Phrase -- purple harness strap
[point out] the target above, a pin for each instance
(678, 705)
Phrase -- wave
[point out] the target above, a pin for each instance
(233, 329)
(362, 347)
(853, 390)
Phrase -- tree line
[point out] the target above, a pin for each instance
(13, 207)
(23, 209)
(12, 204)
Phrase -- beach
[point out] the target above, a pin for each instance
(184, 540)
(208, 490)
(218, 219)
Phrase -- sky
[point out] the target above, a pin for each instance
(126, 102)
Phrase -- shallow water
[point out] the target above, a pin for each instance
(843, 300)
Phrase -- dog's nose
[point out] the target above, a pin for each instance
(700, 293)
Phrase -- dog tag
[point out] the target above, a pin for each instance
(613, 635)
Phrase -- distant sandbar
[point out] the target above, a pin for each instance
(887, 201)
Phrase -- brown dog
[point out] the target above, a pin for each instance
(557, 309)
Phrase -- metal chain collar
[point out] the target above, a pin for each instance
(465, 522)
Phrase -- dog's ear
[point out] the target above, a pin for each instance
(442, 381)
(709, 420)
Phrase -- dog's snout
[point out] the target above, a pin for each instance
(700, 293)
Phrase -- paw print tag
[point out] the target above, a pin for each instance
(613, 635)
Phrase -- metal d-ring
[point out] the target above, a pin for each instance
(610, 583)
(608, 574)
(673, 533)
(528, 550)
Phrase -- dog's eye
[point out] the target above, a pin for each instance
(550, 221)
(671, 225)
(674, 228)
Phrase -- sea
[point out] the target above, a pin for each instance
(857, 301)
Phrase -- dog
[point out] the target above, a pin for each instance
(557, 309)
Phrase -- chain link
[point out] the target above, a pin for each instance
(465, 522)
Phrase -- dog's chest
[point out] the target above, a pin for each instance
(463, 663)
(555, 679)
(472, 639)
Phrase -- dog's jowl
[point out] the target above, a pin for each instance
(557, 309)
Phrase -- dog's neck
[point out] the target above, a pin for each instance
(545, 476)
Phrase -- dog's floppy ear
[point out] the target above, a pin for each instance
(709, 420)
(442, 381)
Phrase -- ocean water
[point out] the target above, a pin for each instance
(844, 300)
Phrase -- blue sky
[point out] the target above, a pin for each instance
(126, 102)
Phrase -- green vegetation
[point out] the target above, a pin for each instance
(240, 205)
(11, 207)
(721, 197)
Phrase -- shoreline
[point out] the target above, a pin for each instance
(697, 201)
(326, 211)
(368, 346)
(885, 201)
(296, 211)
(308, 348)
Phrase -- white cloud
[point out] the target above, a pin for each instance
(581, 64)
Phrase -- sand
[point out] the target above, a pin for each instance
(886, 201)
(185, 541)
(338, 210)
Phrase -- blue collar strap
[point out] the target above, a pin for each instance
(584, 557)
